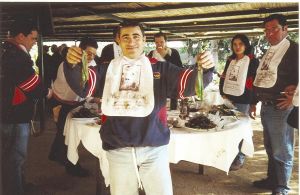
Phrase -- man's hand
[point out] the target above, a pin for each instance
(205, 60)
(74, 55)
(286, 101)
(252, 111)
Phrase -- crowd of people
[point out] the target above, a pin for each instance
(134, 130)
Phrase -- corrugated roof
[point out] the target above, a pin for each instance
(182, 21)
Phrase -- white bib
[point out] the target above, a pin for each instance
(158, 57)
(128, 89)
(266, 75)
(236, 76)
(117, 50)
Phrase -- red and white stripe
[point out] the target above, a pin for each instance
(92, 82)
(183, 80)
(30, 83)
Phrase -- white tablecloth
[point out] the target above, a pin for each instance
(76, 131)
(216, 148)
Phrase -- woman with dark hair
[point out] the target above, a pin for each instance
(236, 81)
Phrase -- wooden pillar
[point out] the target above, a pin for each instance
(41, 104)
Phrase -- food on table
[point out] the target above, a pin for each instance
(98, 122)
(200, 122)
(222, 109)
(84, 113)
(175, 122)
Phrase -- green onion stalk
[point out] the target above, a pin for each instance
(199, 84)
(84, 70)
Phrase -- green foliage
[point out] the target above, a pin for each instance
(149, 46)
(259, 44)
(294, 36)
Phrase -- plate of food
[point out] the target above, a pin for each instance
(84, 114)
(200, 123)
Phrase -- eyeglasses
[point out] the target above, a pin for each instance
(274, 29)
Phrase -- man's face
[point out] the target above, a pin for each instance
(29, 40)
(275, 33)
(91, 53)
(132, 41)
(160, 42)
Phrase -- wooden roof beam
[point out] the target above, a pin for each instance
(143, 8)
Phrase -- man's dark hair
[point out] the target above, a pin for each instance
(279, 17)
(115, 31)
(88, 42)
(160, 34)
(245, 40)
(131, 24)
(24, 26)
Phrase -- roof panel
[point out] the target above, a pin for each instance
(181, 20)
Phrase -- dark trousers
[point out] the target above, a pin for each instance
(58, 148)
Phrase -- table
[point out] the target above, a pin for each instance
(76, 131)
(216, 148)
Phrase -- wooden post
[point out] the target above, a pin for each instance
(41, 104)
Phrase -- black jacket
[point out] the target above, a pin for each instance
(107, 55)
(174, 58)
(20, 86)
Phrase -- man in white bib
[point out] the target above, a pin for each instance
(277, 74)
(164, 53)
(134, 131)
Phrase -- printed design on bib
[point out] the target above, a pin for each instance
(128, 89)
(266, 63)
(234, 73)
(128, 96)
(130, 79)
(236, 76)
(266, 75)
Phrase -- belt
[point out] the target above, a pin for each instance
(269, 103)
(267, 97)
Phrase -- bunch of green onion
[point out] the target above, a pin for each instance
(199, 85)
(84, 70)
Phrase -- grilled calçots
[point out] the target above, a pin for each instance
(84, 113)
(200, 122)
(222, 109)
